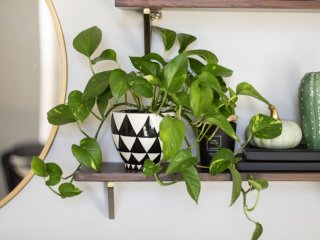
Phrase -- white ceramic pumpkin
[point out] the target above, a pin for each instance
(290, 137)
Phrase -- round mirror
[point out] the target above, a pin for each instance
(33, 73)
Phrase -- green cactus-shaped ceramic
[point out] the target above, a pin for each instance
(309, 104)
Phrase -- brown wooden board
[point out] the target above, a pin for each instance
(115, 172)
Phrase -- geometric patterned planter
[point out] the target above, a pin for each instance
(136, 137)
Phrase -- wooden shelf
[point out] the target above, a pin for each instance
(115, 172)
(263, 4)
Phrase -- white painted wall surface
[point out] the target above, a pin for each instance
(270, 49)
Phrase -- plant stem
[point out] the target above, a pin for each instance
(164, 183)
(153, 98)
(244, 194)
(201, 166)
(54, 191)
(201, 132)
(96, 116)
(179, 111)
(91, 67)
(72, 178)
(162, 102)
(205, 133)
(82, 130)
(71, 175)
(229, 100)
(157, 97)
(141, 102)
(186, 140)
(244, 145)
(255, 204)
(213, 134)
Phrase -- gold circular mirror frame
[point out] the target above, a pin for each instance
(54, 129)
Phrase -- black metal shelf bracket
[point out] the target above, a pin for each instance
(148, 16)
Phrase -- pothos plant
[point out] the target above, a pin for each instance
(191, 86)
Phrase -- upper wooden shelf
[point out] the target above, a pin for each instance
(263, 4)
(115, 172)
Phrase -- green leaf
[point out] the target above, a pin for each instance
(262, 126)
(192, 180)
(175, 73)
(108, 54)
(218, 70)
(103, 100)
(257, 232)
(221, 121)
(145, 66)
(97, 85)
(38, 167)
(221, 161)
(118, 83)
(53, 169)
(236, 184)
(245, 88)
(88, 153)
(181, 161)
(53, 180)
(201, 98)
(156, 57)
(141, 87)
(206, 79)
(54, 172)
(184, 99)
(80, 107)
(68, 190)
(233, 95)
(185, 40)
(168, 37)
(259, 184)
(87, 41)
(172, 132)
(60, 115)
(208, 56)
(195, 65)
(150, 168)
(223, 85)
(263, 183)
(153, 80)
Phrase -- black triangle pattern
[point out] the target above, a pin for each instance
(122, 146)
(137, 147)
(126, 128)
(156, 147)
(157, 159)
(148, 130)
(133, 160)
(113, 126)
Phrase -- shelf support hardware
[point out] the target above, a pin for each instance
(149, 16)
(110, 188)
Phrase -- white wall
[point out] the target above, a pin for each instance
(270, 49)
